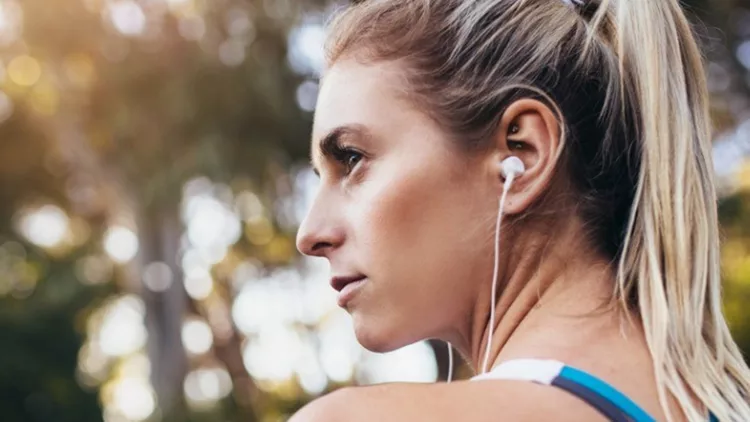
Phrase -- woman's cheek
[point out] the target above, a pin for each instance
(392, 208)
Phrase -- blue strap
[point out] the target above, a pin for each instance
(607, 392)
(604, 406)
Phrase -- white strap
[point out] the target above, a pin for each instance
(536, 370)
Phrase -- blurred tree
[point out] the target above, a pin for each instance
(116, 106)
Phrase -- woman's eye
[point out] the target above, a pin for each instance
(352, 158)
(349, 158)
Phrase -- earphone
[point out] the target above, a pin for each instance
(510, 168)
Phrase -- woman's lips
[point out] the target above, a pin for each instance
(338, 283)
(349, 291)
(347, 287)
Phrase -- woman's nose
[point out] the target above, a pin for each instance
(318, 235)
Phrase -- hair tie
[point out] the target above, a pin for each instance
(586, 8)
(573, 3)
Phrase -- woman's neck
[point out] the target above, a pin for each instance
(550, 301)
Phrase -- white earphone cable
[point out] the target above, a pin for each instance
(491, 328)
(450, 362)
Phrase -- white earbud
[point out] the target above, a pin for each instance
(512, 167)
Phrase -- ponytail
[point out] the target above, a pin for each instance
(670, 258)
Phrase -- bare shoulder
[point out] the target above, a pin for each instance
(479, 401)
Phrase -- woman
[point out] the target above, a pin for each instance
(607, 281)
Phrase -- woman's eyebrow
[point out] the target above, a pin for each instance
(329, 143)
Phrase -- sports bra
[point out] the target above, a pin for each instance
(611, 403)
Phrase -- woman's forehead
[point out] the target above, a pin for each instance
(354, 93)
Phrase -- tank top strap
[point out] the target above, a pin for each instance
(610, 402)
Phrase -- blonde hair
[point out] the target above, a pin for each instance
(626, 78)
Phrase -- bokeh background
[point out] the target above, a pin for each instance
(153, 172)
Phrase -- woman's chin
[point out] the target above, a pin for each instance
(378, 339)
(376, 344)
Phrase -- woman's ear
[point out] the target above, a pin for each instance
(529, 130)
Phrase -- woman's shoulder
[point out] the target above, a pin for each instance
(479, 401)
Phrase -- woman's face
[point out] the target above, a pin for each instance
(399, 207)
